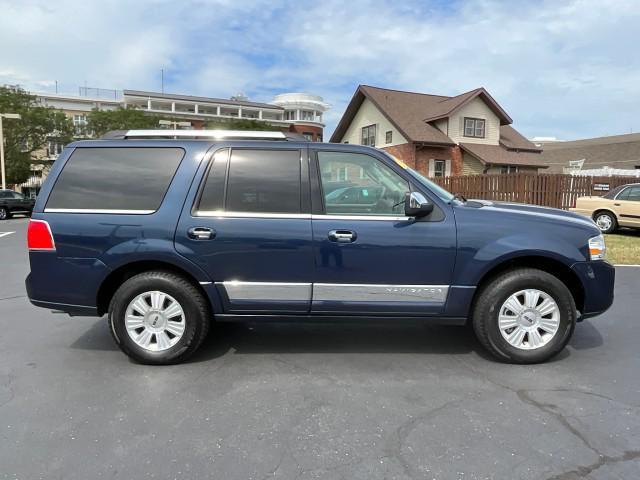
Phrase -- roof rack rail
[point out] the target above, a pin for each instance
(203, 134)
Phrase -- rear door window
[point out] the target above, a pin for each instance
(132, 180)
(634, 194)
(257, 181)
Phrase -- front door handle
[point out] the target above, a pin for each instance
(616, 204)
(201, 233)
(342, 236)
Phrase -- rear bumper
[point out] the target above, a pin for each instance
(598, 281)
(582, 211)
(69, 285)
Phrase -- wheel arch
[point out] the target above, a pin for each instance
(118, 276)
(604, 209)
(539, 262)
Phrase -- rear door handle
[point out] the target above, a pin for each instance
(342, 236)
(616, 204)
(201, 233)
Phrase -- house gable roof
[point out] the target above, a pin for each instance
(404, 110)
(411, 112)
(450, 105)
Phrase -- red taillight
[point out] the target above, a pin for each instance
(39, 236)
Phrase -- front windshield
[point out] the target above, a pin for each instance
(435, 188)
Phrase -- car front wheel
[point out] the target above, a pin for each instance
(4, 213)
(524, 316)
(158, 318)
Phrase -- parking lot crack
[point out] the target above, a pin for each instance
(12, 298)
(604, 460)
(551, 409)
(404, 430)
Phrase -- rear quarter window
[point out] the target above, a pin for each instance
(131, 178)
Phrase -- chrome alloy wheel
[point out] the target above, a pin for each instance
(155, 321)
(604, 222)
(529, 319)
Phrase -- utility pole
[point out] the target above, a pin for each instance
(4, 115)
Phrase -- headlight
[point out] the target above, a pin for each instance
(597, 248)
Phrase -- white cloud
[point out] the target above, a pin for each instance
(567, 69)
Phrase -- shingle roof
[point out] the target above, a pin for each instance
(411, 113)
(406, 110)
(618, 151)
(512, 139)
(499, 155)
(191, 98)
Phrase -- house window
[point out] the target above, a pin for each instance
(308, 136)
(439, 168)
(474, 127)
(388, 137)
(509, 169)
(369, 135)
(79, 123)
(307, 115)
(54, 149)
(290, 115)
(342, 175)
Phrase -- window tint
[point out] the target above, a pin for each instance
(624, 195)
(5, 194)
(115, 178)
(213, 191)
(358, 184)
(634, 194)
(264, 181)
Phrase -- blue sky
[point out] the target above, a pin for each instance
(569, 69)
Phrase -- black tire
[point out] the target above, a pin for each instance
(611, 217)
(197, 316)
(5, 214)
(493, 295)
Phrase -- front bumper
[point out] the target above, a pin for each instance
(598, 281)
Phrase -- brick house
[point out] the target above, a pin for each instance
(439, 136)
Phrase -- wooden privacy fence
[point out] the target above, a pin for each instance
(549, 190)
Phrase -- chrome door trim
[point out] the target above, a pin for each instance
(388, 218)
(98, 210)
(225, 214)
(348, 292)
(270, 291)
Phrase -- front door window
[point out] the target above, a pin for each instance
(358, 184)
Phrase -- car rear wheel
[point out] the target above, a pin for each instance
(524, 316)
(4, 213)
(158, 318)
(606, 221)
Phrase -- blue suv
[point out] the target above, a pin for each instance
(167, 231)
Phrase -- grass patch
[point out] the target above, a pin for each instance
(623, 247)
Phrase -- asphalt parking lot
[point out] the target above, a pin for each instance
(306, 402)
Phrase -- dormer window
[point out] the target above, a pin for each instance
(474, 127)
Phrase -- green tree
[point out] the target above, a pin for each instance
(100, 122)
(29, 134)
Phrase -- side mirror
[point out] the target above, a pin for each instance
(416, 205)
